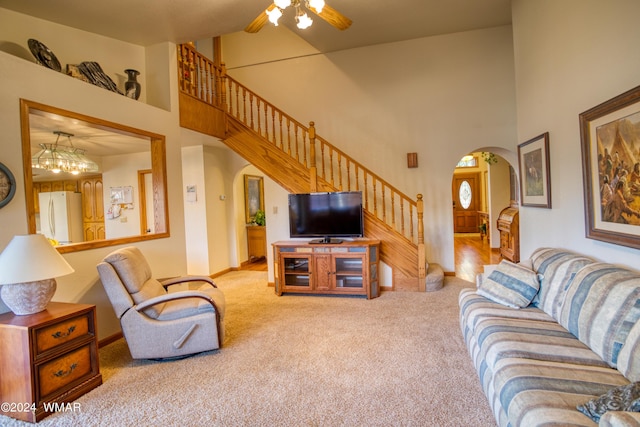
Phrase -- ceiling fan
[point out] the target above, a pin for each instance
(324, 11)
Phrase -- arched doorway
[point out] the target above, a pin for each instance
(482, 186)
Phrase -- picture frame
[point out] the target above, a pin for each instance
(610, 156)
(253, 196)
(535, 175)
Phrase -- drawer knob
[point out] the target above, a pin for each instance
(62, 374)
(60, 334)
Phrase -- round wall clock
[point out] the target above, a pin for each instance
(7, 185)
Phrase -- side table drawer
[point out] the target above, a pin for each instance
(54, 375)
(60, 333)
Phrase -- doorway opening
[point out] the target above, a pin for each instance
(481, 187)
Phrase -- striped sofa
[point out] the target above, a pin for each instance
(578, 339)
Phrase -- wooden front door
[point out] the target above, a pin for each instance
(466, 202)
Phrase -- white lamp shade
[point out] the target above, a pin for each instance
(31, 258)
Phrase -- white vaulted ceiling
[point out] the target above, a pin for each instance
(374, 21)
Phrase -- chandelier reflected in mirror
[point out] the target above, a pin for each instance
(302, 18)
(63, 158)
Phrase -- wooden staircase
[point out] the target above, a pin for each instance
(292, 155)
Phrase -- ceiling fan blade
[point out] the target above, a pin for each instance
(333, 17)
(260, 20)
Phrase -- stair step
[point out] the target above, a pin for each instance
(435, 278)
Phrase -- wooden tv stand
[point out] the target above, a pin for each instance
(347, 268)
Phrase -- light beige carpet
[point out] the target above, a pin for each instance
(295, 360)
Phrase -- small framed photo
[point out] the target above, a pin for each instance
(535, 177)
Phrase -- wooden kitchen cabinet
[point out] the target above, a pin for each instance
(92, 208)
(48, 357)
(256, 242)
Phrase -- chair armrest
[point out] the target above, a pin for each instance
(183, 279)
(176, 296)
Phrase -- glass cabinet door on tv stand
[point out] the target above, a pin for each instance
(348, 268)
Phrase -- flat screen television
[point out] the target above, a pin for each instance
(326, 215)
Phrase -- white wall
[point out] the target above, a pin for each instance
(122, 171)
(441, 97)
(71, 46)
(570, 55)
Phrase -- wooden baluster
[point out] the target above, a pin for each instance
(323, 173)
(273, 126)
(180, 67)
(313, 170)
(295, 139)
(402, 218)
(210, 77)
(192, 73)
(356, 178)
(251, 109)
(244, 106)
(340, 171)
(383, 198)
(303, 145)
(201, 79)
(375, 197)
(422, 259)
(331, 166)
(223, 90)
(393, 210)
(287, 149)
(280, 129)
(366, 190)
(266, 120)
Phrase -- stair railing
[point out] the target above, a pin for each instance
(201, 78)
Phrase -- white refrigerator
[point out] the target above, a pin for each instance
(61, 216)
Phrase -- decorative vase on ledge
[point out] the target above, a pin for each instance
(131, 86)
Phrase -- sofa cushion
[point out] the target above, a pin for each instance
(510, 284)
(542, 393)
(621, 398)
(601, 306)
(557, 268)
(629, 357)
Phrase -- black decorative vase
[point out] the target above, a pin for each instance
(131, 86)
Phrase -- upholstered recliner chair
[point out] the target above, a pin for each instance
(169, 319)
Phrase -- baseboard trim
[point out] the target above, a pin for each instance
(110, 339)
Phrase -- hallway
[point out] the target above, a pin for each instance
(471, 254)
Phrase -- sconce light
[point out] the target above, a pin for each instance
(412, 160)
(28, 268)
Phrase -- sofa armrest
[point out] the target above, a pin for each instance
(620, 419)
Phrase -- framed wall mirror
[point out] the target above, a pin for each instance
(91, 183)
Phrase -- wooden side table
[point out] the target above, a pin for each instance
(48, 359)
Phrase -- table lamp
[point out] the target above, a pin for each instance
(28, 268)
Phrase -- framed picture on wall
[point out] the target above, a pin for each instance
(253, 196)
(610, 136)
(535, 177)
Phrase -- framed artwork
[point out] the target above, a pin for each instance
(535, 176)
(253, 196)
(610, 136)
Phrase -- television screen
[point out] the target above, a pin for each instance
(326, 215)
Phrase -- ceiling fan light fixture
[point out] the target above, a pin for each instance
(274, 15)
(317, 5)
(303, 21)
